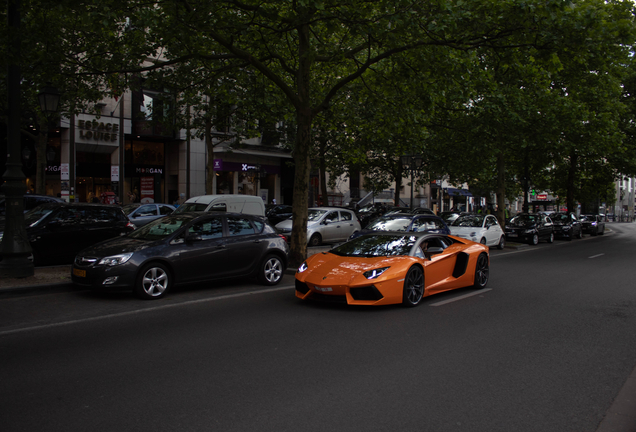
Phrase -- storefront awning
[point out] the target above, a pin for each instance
(458, 192)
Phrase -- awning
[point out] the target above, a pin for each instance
(458, 192)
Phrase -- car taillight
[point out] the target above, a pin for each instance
(131, 225)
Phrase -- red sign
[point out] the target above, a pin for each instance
(542, 197)
(147, 190)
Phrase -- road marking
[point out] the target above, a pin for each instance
(461, 297)
(596, 256)
(151, 309)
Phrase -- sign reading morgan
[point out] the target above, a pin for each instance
(93, 130)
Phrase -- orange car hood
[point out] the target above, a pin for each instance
(341, 270)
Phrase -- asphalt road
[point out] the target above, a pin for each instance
(547, 348)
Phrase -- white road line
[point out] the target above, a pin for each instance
(596, 256)
(135, 312)
(461, 297)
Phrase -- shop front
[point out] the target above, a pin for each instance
(248, 178)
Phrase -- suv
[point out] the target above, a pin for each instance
(58, 231)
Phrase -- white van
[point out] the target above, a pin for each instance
(247, 204)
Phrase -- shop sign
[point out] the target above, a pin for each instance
(218, 165)
(93, 130)
(64, 171)
(542, 197)
(114, 173)
(142, 170)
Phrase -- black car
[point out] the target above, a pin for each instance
(405, 222)
(31, 201)
(530, 228)
(184, 248)
(278, 213)
(566, 225)
(593, 224)
(58, 231)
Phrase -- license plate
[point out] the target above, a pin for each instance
(79, 273)
(512, 235)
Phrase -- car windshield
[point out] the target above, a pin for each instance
(389, 224)
(160, 228)
(188, 207)
(560, 218)
(33, 217)
(591, 218)
(523, 220)
(314, 215)
(129, 208)
(469, 221)
(376, 245)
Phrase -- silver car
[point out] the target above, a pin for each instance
(141, 214)
(325, 225)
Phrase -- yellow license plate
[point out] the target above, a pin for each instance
(80, 273)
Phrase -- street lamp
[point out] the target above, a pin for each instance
(49, 99)
(14, 247)
(411, 163)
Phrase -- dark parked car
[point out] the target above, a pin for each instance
(530, 228)
(278, 213)
(566, 225)
(184, 248)
(58, 231)
(141, 214)
(593, 224)
(405, 222)
(31, 201)
(450, 216)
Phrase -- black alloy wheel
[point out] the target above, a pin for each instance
(153, 282)
(413, 287)
(482, 271)
(483, 241)
(271, 270)
(580, 234)
(551, 238)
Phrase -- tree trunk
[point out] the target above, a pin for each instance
(323, 172)
(298, 251)
(571, 180)
(40, 150)
(209, 181)
(501, 189)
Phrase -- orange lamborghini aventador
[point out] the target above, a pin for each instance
(393, 267)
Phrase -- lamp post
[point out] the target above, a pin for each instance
(49, 99)
(14, 247)
(411, 163)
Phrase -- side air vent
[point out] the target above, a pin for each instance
(460, 265)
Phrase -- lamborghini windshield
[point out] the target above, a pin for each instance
(376, 245)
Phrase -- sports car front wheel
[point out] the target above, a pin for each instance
(481, 272)
(413, 287)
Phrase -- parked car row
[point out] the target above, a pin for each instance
(533, 227)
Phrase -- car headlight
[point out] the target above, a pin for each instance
(529, 231)
(372, 274)
(566, 227)
(116, 259)
(302, 267)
